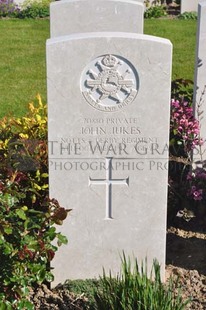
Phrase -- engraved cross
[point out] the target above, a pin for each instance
(108, 181)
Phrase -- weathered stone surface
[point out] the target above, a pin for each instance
(76, 16)
(108, 100)
(200, 77)
(188, 6)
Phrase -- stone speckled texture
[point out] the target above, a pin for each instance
(200, 74)
(132, 135)
(76, 16)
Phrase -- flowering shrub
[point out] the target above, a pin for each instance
(184, 138)
(184, 127)
(8, 8)
(155, 11)
(29, 9)
(197, 184)
(27, 215)
(35, 9)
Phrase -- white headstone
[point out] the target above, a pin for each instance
(200, 71)
(188, 6)
(77, 16)
(109, 101)
(19, 2)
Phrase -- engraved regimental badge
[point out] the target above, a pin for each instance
(109, 83)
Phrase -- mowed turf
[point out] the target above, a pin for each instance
(23, 57)
(182, 34)
(22, 63)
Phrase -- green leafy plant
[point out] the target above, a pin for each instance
(155, 11)
(132, 289)
(182, 89)
(35, 9)
(188, 15)
(87, 287)
(27, 215)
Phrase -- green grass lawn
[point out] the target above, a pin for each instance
(182, 34)
(23, 65)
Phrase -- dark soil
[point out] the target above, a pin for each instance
(186, 258)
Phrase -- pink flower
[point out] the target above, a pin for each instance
(185, 125)
(197, 195)
(175, 103)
